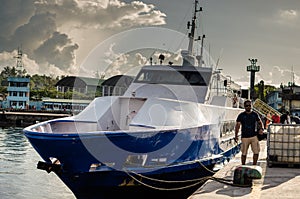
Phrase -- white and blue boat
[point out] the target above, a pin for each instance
(165, 134)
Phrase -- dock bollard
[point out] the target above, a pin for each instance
(243, 175)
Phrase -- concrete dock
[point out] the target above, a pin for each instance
(26, 118)
(276, 182)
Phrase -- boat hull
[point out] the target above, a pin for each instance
(92, 185)
(102, 165)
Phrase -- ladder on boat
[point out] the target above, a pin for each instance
(264, 109)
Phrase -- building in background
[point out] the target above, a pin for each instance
(116, 85)
(18, 92)
(82, 85)
(67, 105)
(18, 89)
(291, 98)
(274, 99)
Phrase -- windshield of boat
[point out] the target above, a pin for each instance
(170, 77)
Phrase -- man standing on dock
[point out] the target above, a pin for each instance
(251, 126)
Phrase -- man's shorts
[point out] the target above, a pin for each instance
(253, 141)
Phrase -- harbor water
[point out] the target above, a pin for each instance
(19, 177)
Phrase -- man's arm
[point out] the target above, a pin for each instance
(237, 129)
(260, 126)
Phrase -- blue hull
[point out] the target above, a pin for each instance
(96, 165)
(92, 185)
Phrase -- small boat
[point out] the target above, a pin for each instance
(172, 126)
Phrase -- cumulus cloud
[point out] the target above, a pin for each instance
(115, 61)
(42, 27)
(276, 76)
(7, 59)
(102, 14)
(14, 13)
(288, 14)
(287, 17)
(282, 76)
(60, 48)
(130, 62)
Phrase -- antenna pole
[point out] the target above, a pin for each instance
(201, 51)
(193, 27)
(19, 66)
(187, 55)
(293, 76)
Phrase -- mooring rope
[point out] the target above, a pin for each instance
(165, 181)
(197, 181)
(166, 189)
(207, 169)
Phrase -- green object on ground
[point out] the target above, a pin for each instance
(243, 175)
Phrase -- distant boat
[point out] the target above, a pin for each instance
(164, 135)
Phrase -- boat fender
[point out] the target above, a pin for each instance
(56, 168)
(243, 175)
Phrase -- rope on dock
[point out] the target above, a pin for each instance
(197, 180)
(228, 182)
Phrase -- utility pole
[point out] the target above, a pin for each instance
(253, 68)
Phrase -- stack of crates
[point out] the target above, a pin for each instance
(283, 145)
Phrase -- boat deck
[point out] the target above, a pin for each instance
(276, 182)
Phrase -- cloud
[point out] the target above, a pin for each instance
(14, 13)
(59, 48)
(287, 17)
(115, 61)
(8, 59)
(102, 14)
(42, 27)
(276, 76)
(288, 14)
(130, 62)
(283, 76)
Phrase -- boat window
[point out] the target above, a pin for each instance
(170, 77)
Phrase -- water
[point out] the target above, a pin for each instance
(19, 177)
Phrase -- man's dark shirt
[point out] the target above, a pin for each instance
(248, 121)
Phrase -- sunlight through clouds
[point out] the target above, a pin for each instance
(44, 27)
(60, 34)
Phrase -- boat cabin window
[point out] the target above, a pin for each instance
(170, 77)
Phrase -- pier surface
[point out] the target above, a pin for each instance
(276, 182)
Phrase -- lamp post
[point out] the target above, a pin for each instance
(253, 68)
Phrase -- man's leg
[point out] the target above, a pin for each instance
(255, 149)
(244, 157)
(255, 158)
(244, 149)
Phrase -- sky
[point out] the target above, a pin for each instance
(111, 37)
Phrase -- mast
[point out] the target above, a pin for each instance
(200, 57)
(188, 58)
(19, 66)
(193, 28)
